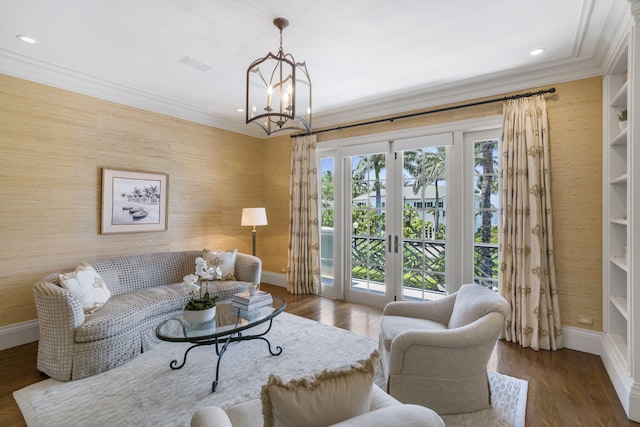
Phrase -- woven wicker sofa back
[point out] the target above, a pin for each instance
(135, 272)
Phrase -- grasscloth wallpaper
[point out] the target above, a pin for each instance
(54, 143)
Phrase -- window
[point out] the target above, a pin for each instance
(485, 212)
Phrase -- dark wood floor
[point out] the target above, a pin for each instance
(566, 387)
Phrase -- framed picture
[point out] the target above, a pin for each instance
(133, 202)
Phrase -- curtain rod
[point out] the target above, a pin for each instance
(423, 113)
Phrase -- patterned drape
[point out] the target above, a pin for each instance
(303, 270)
(527, 270)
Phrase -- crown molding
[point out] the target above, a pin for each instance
(491, 85)
(27, 68)
(413, 99)
(614, 35)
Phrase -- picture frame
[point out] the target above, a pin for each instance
(134, 201)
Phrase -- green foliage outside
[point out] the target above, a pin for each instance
(326, 199)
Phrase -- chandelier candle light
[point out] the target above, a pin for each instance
(279, 91)
(252, 217)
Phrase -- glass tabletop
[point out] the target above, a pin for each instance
(229, 320)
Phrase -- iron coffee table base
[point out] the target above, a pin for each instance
(221, 344)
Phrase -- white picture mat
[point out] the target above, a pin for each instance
(145, 191)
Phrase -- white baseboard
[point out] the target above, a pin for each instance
(277, 279)
(582, 340)
(617, 367)
(18, 334)
(574, 338)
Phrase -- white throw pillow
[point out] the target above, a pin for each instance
(226, 260)
(87, 284)
(327, 398)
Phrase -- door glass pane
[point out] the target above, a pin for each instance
(327, 215)
(368, 223)
(486, 217)
(424, 193)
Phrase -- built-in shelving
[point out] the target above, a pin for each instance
(615, 210)
(621, 172)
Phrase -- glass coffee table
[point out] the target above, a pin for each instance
(227, 327)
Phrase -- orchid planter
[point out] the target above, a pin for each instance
(199, 316)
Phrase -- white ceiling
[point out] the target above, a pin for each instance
(365, 57)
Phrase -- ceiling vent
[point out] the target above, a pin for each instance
(195, 64)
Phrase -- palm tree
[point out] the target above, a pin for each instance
(427, 167)
(487, 185)
(137, 193)
(375, 162)
(152, 193)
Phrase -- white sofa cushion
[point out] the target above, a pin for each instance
(88, 286)
(391, 326)
(124, 311)
(329, 397)
(226, 260)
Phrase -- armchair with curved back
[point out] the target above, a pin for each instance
(435, 353)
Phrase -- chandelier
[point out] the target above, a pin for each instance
(279, 91)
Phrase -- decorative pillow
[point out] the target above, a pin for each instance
(87, 284)
(226, 260)
(324, 399)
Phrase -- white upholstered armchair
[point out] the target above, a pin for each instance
(385, 411)
(435, 353)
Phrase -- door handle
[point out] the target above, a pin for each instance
(389, 244)
(396, 244)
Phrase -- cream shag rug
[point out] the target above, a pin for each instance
(146, 392)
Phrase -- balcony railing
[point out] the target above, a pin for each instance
(423, 262)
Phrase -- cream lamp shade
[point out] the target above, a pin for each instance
(252, 217)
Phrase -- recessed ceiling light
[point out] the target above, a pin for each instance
(536, 52)
(27, 39)
(240, 110)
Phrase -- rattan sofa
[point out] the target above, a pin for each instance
(145, 290)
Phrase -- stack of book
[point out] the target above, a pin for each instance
(247, 302)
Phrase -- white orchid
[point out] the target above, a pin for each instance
(216, 272)
(203, 270)
(190, 283)
(198, 286)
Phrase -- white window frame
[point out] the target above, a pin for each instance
(459, 208)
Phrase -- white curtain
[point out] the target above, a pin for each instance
(303, 270)
(527, 270)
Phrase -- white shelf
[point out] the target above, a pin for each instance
(620, 262)
(622, 179)
(619, 101)
(619, 221)
(621, 304)
(621, 139)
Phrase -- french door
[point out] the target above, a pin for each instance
(396, 218)
(401, 218)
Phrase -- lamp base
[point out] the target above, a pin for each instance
(254, 241)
